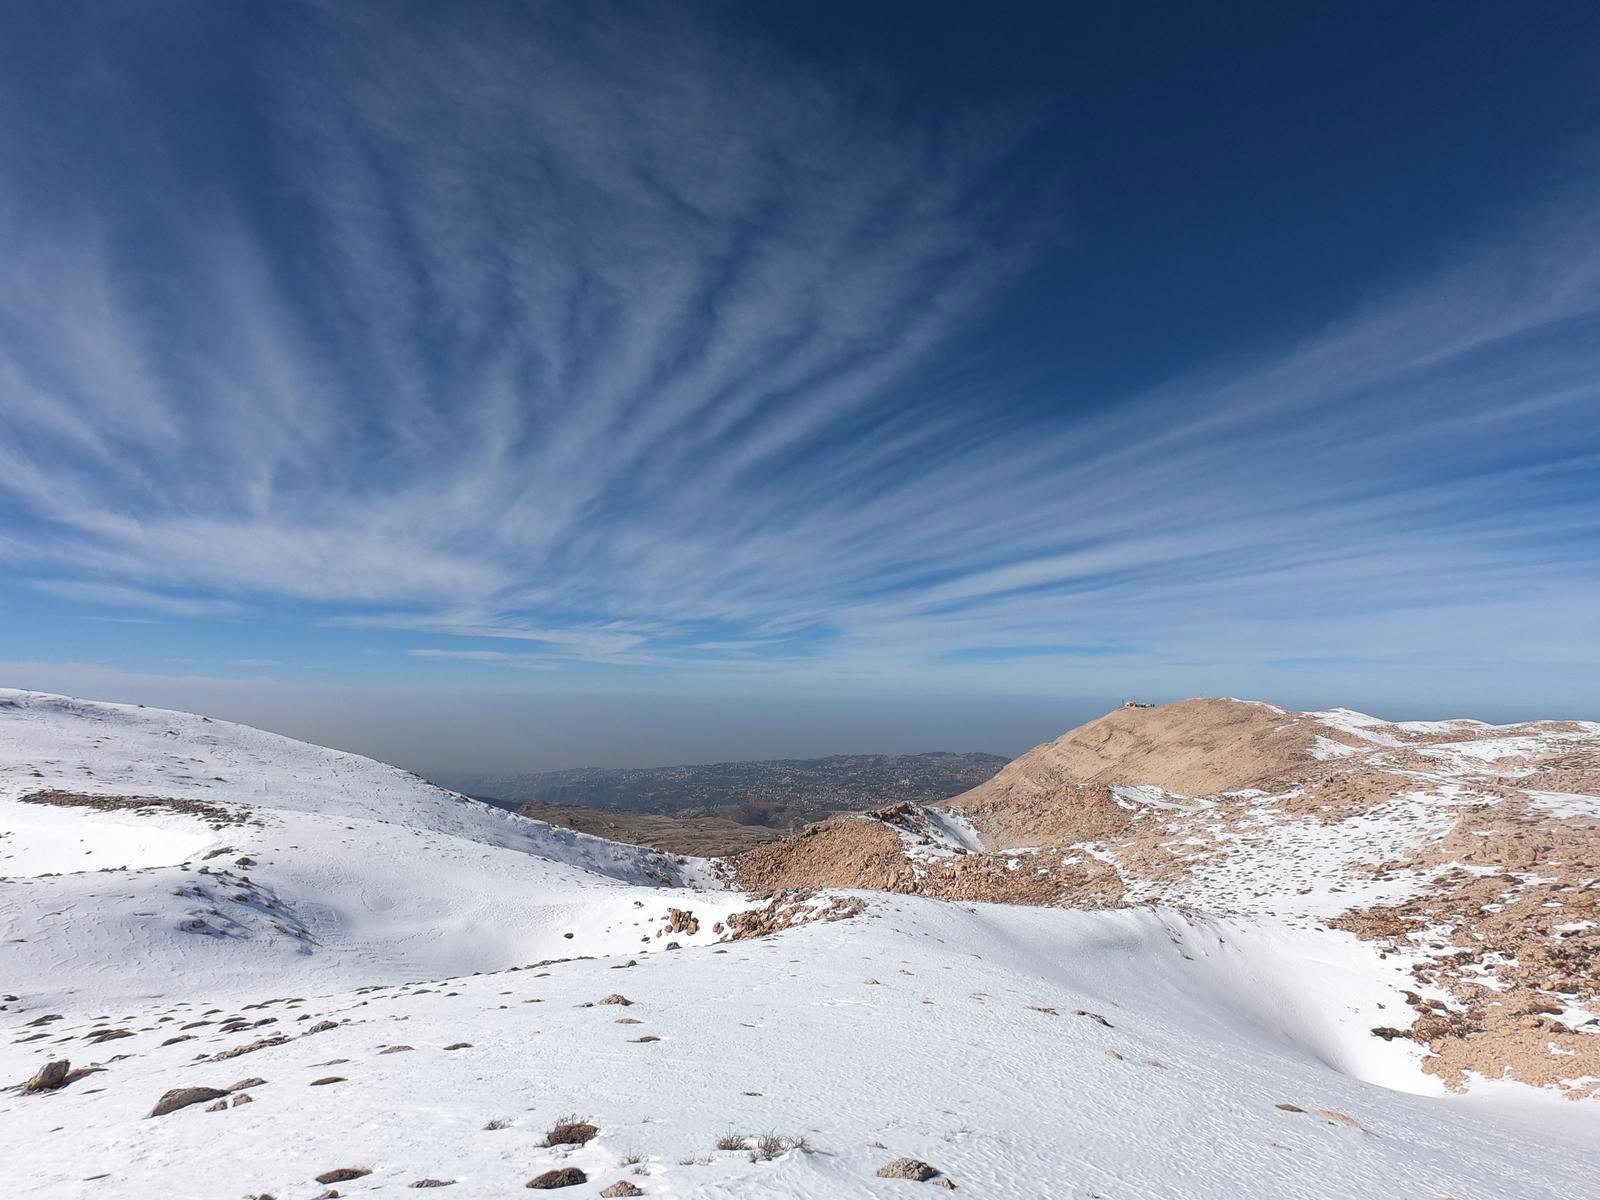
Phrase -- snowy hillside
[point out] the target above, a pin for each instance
(239, 855)
(380, 985)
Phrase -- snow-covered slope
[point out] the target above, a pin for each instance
(366, 956)
(254, 855)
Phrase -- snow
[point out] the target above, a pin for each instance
(1359, 724)
(1564, 804)
(1135, 1054)
(1326, 748)
(955, 829)
(1146, 795)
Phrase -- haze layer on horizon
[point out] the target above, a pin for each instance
(523, 386)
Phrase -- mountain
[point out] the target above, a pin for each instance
(1470, 852)
(324, 973)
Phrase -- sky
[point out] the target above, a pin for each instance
(529, 385)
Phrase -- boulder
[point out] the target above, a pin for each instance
(343, 1174)
(559, 1178)
(907, 1168)
(183, 1097)
(49, 1077)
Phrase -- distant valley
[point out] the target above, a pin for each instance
(724, 808)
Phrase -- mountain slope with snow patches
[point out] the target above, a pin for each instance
(376, 983)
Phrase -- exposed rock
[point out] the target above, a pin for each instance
(253, 1081)
(327, 1079)
(559, 1178)
(323, 1026)
(219, 1106)
(787, 909)
(431, 1183)
(615, 998)
(682, 920)
(276, 1039)
(48, 1078)
(907, 1168)
(621, 1188)
(343, 1174)
(183, 1097)
(243, 1098)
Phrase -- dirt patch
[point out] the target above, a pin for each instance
(215, 815)
(848, 852)
(1334, 795)
(868, 853)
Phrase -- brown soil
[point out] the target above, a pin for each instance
(1192, 748)
(866, 852)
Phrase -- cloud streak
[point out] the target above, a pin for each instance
(666, 358)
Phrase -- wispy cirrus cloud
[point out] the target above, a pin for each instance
(669, 357)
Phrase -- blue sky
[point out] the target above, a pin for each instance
(445, 381)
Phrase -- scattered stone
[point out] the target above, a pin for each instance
(559, 1178)
(107, 1035)
(253, 1081)
(621, 1188)
(396, 1049)
(276, 1039)
(646, 1038)
(615, 998)
(431, 1183)
(323, 1026)
(343, 1174)
(459, 1046)
(326, 1079)
(628, 1021)
(682, 920)
(1287, 1107)
(1093, 1016)
(243, 1098)
(49, 1077)
(219, 1106)
(1334, 1117)
(907, 1168)
(178, 1098)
